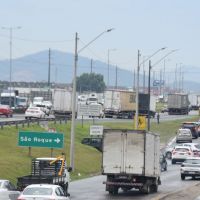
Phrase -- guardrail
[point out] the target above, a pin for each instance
(27, 122)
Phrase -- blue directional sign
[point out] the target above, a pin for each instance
(40, 139)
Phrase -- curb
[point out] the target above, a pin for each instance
(162, 196)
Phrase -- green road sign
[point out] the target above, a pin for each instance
(40, 139)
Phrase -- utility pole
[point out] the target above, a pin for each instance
(134, 80)
(149, 95)
(72, 134)
(49, 73)
(116, 77)
(91, 65)
(10, 29)
(73, 105)
(144, 74)
(137, 92)
(176, 79)
(160, 81)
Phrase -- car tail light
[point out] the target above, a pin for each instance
(173, 152)
(20, 198)
(189, 153)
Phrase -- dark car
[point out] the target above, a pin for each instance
(163, 162)
(95, 142)
(193, 126)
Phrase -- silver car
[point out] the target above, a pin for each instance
(190, 168)
(8, 191)
(183, 135)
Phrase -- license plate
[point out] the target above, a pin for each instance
(191, 172)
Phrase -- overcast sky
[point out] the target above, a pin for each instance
(143, 24)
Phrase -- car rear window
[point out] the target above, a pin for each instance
(182, 149)
(38, 191)
(193, 161)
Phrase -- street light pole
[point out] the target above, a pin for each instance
(10, 29)
(137, 87)
(72, 135)
(149, 83)
(108, 78)
(149, 94)
(137, 92)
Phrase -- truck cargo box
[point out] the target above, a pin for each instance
(178, 101)
(131, 152)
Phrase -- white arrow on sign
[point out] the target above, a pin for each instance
(57, 140)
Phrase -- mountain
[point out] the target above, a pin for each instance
(34, 67)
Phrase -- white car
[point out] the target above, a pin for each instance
(8, 191)
(34, 112)
(190, 167)
(181, 153)
(43, 191)
(194, 146)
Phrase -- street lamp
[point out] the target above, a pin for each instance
(149, 82)
(109, 50)
(10, 29)
(137, 87)
(74, 92)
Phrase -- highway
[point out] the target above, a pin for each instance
(163, 117)
(94, 189)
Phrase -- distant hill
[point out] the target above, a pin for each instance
(34, 67)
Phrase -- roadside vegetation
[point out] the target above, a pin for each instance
(15, 161)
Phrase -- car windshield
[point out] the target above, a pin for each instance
(193, 161)
(38, 191)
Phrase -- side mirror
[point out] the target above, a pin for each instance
(69, 169)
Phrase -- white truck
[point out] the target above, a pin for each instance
(62, 103)
(131, 160)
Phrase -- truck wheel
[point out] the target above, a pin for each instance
(173, 162)
(169, 155)
(146, 189)
(154, 188)
(113, 190)
(182, 177)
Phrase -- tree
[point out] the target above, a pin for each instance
(90, 82)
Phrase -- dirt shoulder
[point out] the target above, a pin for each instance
(189, 193)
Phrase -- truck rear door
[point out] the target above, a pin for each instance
(133, 152)
(112, 152)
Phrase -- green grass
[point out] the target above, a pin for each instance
(160, 106)
(15, 162)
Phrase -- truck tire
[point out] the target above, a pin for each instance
(113, 190)
(173, 162)
(154, 188)
(169, 155)
(145, 189)
(182, 177)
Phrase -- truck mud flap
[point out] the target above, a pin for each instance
(123, 184)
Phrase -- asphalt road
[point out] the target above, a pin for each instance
(163, 117)
(93, 189)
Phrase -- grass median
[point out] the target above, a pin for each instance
(15, 161)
